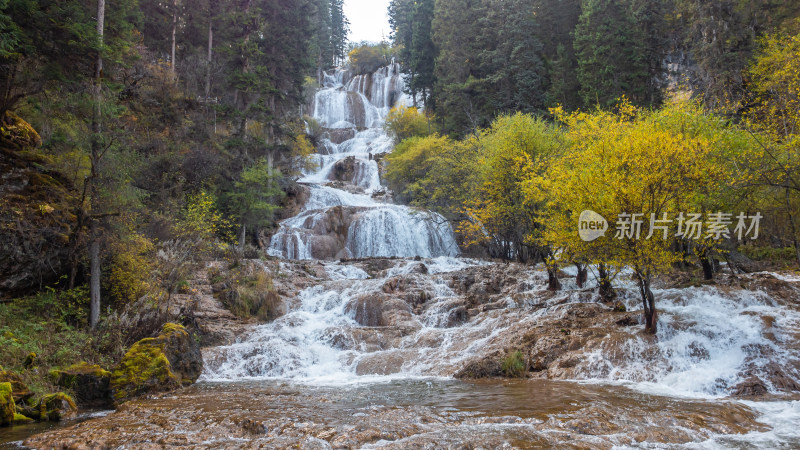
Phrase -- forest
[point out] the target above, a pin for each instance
(144, 139)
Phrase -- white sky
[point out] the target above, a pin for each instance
(368, 19)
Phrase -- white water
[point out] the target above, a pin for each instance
(708, 338)
(373, 228)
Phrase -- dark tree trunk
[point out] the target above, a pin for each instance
(648, 302)
(706, 263)
(552, 277)
(583, 274)
(607, 293)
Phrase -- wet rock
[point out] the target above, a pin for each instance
(19, 390)
(90, 383)
(344, 170)
(367, 310)
(751, 387)
(457, 316)
(58, 406)
(490, 366)
(339, 135)
(166, 362)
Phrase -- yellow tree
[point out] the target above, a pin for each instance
(631, 168)
(515, 150)
(774, 114)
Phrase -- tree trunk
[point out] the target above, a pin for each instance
(174, 35)
(94, 258)
(706, 263)
(210, 55)
(94, 242)
(607, 293)
(552, 275)
(242, 237)
(583, 274)
(648, 301)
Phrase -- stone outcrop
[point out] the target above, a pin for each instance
(163, 363)
(36, 206)
(19, 390)
(89, 382)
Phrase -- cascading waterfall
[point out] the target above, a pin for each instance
(352, 327)
(348, 177)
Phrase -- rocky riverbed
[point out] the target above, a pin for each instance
(406, 353)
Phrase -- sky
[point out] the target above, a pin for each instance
(368, 19)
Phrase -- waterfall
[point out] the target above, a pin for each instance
(347, 177)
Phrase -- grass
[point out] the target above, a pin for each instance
(251, 294)
(513, 366)
(52, 325)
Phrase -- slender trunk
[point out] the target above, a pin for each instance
(242, 237)
(793, 227)
(94, 258)
(648, 301)
(607, 293)
(583, 274)
(174, 34)
(552, 274)
(94, 240)
(208, 59)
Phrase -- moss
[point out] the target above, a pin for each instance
(68, 377)
(57, 406)
(19, 418)
(143, 365)
(18, 134)
(173, 328)
(7, 406)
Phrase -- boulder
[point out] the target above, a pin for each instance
(751, 387)
(163, 363)
(90, 383)
(57, 406)
(7, 407)
(38, 203)
(19, 390)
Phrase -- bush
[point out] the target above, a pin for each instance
(252, 296)
(367, 58)
(403, 123)
(513, 365)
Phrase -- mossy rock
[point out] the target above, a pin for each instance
(157, 364)
(18, 134)
(19, 389)
(90, 382)
(8, 408)
(57, 407)
(20, 419)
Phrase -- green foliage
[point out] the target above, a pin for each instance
(368, 58)
(403, 123)
(256, 195)
(39, 325)
(513, 366)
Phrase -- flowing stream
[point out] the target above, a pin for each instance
(367, 355)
